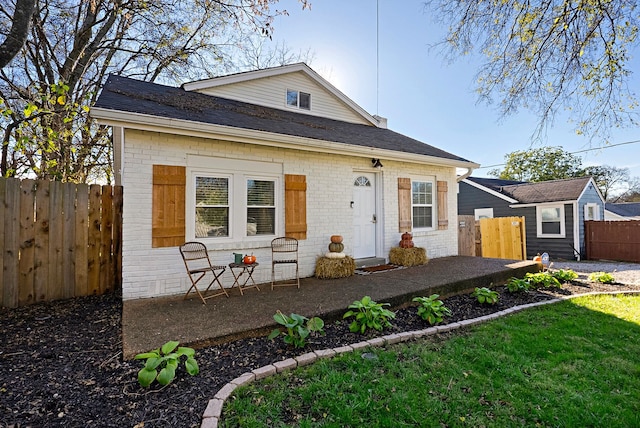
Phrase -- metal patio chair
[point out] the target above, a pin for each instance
(198, 265)
(284, 251)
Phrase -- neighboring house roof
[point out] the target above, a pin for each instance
(624, 209)
(493, 183)
(548, 191)
(129, 101)
(532, 193)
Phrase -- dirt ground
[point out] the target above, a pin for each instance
(61, 363)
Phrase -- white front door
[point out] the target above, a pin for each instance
(364, 215)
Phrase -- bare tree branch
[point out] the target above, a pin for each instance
(19, 31)
(549, 56)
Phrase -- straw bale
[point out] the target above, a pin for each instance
(327, 268)
(408, 256)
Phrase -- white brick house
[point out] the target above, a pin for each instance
(287, 154)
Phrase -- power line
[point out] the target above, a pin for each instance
(578, 151)
(377, 56)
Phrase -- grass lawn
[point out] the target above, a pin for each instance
(570, 364)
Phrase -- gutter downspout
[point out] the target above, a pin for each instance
(465, 175)
(576, 230)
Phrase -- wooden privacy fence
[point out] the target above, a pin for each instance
(503, 238)
(59, 240)
(500, 237)
(613, 240)
(467, 236)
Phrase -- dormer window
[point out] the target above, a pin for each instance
(298, 99)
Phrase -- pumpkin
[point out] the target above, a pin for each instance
(407, 240)
(249, 259)
(335, 255)
(538, 259)
(336, 247)
(405, 244)
(336, 239)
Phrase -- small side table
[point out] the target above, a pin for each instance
(241, 269)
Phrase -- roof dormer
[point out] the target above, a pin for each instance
(289, 87)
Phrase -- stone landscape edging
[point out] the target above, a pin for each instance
(213, 412)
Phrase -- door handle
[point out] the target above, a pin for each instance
(374, 219)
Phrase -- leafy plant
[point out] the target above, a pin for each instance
(518, 284)
(432, 309)
(368, 314)
(564, 275)
(542, 279)
(485, 295)
(297, 327)
(166, 359)
(603, 277)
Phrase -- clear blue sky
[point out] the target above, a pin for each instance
(420, 95)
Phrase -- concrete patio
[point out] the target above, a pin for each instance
(148, 323)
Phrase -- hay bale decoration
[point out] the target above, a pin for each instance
(406, 254)
(335, 263)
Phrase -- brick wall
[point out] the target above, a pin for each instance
(149, 272)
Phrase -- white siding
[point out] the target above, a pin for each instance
(149, 272)
(272, 91)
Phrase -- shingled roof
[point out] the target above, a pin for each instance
(624, 209)
(547, 191)
(531, 193)
(135, 96)
(493, 183)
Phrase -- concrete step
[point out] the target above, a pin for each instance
(370, 261)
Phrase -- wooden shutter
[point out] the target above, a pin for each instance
(404, 204)
(443, 212)
(295, 206)
(168, 212)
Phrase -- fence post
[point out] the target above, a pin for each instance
(93, 246)
(41, 276)
(82, 240)
(11, 248)
(26, 292)
(69, 240)
(106, 228)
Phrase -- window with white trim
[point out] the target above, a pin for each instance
(298, 99)
(592, 212)
(422, 209)
(212, 206)
(232, 206)
(483, 213)
(222, 212)
(550, 221)
(261, 207)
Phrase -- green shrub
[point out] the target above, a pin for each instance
(167, 360)
(542, 279)
(485, 295)
(518, 284)
(432, 309)
(297, 328)
(603, 277)
(565, 275)
(368, 314)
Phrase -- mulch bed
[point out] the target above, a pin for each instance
(61, 363)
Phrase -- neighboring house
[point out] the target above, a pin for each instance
(622, 211)
(238, 160)
(554, 211)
